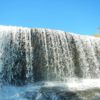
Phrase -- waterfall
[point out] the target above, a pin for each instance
(57, 58)
(31, 55)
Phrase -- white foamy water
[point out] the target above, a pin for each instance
(74, 85)
(47, 58)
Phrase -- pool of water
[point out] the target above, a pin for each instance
(88, 89)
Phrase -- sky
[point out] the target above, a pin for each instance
(78, 16)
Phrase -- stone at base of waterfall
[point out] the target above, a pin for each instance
(56, 93)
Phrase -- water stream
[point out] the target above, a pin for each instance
(45, 64)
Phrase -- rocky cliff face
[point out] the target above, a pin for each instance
(31, 55)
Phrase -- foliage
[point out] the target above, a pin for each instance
(97, 35)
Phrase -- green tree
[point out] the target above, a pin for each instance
(98, 32)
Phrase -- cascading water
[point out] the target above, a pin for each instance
(44, 61)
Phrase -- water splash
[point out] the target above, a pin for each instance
(29, 55)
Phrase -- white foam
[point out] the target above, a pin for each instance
(16, 93)
(76, 85)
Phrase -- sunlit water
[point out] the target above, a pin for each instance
(64, 62)
(25, 92)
